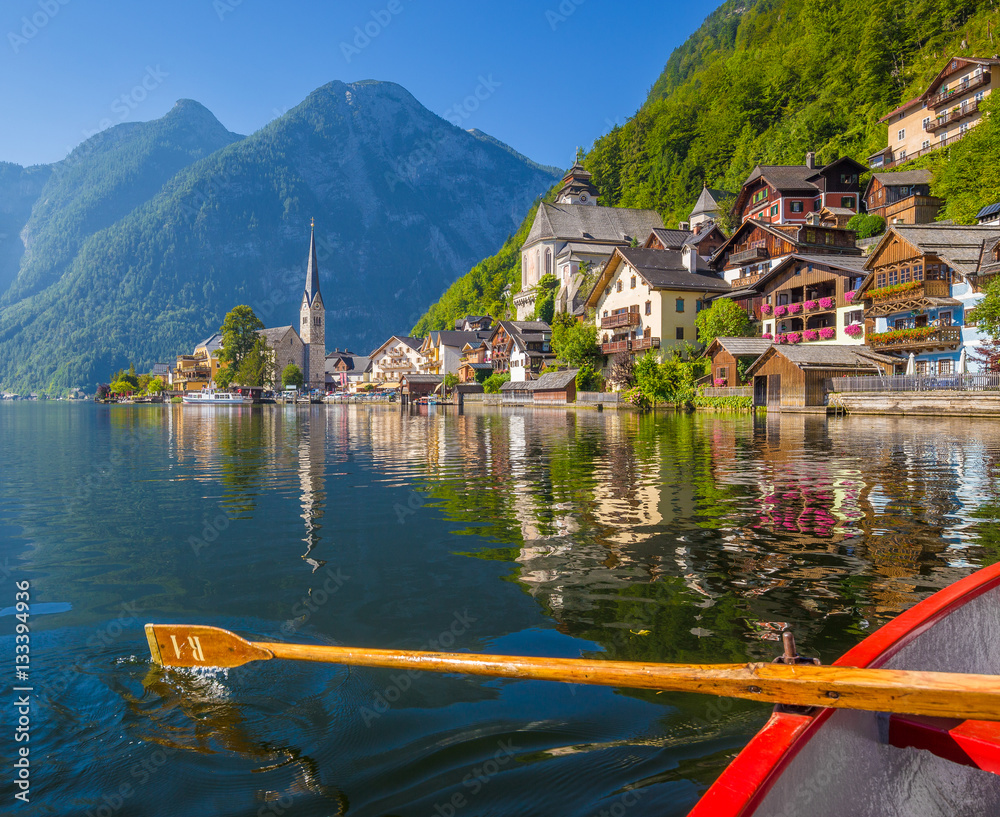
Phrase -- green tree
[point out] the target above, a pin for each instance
(239, 335)
(575, 342)
(450, 381)
(724, 319)
(256, 366)
(987, 312)
(155, 385)
(866, 225)
(493, 383)
(545, 298)
(292, 376)
(588, 378)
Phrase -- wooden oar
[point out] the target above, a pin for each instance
(944, 694)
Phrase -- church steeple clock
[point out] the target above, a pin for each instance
(312, 325)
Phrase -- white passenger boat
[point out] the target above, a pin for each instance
(210, 397)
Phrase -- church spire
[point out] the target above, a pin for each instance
(312, 272)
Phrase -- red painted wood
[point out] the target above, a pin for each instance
(743, 785)
(971, 743)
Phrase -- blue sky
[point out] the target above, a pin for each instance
(560, 72)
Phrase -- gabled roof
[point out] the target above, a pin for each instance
(457, 338)
(846, 264)
(517, 329)
(987, 266)
(947, 71)
(582, 223)
(424, 379)
(413, 343)
(904, 107)
(670, 239)
(661, 269)
(905, 178)
(824, 356)
(356, 364)
(276, 333)
(548, 381)
(740, 347)
(792, 233)
(784, 177)
(989, 211)
(960, 246)
(211, 344)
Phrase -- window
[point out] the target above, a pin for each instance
(918, 272)
(605, 313)
(619, 287)
(880, 280)
(680, 305)
(607, 290)
(963, 128)
(847, 201)
(548, 261)
(854, 316)
(796, 207)
(649, 307)
(816, 205)
(893, 278)
(317, 321)
(944, 318)
(848, 178)
(632, 283)
(979, 96)
(926, 122)
(925, 144)
(945, 366)
(921, 367)
(680, 333)
(904, 275)
(901, 135)
(699, 305)
(944, 137)
(723, 373)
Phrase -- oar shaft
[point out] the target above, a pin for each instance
(919, 693)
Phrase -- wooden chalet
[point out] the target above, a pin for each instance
(706, 238)
(814, 296)
(922, 281)
(790, 377)
(475, 366)
(786, 194)
(521, 348)
(755, 248)
(902, 198)
(551, 387)
(413, 386)
(728, 355)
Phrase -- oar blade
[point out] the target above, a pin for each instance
(183, 645)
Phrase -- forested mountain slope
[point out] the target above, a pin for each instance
(765, 81)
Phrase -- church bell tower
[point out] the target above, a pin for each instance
(312, 324)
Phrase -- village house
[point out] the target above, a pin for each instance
(648, 299)
(572, 236)
(397, 356)
(789, 378)
(811, 299)
(709, 207)
(922, 281)
(786, 194)
(413, 386)
(903, 197)
(197, 370)
(551, 388)
(706, 238)
(756, 248)
(521, 348)
(475, 366)
(346, 370)
(941, 115)
(989, 215)
(474, 323)
(731, 357)
(441, 350)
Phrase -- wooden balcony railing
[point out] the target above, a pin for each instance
(621, 319)
(614, 347)
(753, 254)
(911, 340)
(964, 110)
(639, 344)
(961, 88)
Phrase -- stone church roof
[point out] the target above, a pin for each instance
(585, 223)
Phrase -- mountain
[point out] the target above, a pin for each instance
(763, 82)
(157, 230)
(19, 189)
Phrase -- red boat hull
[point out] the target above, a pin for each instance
(762, 778)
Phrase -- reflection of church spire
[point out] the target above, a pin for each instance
(311, 482)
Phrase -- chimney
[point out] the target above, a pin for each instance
(698, 228)
(689, 257)
(811, 160)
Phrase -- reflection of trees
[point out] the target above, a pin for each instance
(241, 438)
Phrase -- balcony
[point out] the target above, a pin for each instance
(900, 297)
(921, 338)
(640, 344)
(747, 256)
(621, 319)
(958, 90)
(614, 347)
(963, 111)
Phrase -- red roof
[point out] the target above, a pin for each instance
(901, 108)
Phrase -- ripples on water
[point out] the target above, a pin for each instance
(546, 533)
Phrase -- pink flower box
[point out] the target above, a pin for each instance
(827, 333)
(794, 309)
(849, 296)
(810, 334)
(780, 310)
(794, 337)
(810, 305)
(767, 336)
(719, 382)
(766, 309)
(781, 338)
(826, 303)
(855, 330)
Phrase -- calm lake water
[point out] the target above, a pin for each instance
(667, 538)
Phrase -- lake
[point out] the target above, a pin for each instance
(687, 538)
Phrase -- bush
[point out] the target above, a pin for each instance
(493, 383)
(725, 403)
(866, 225)
(587, 379)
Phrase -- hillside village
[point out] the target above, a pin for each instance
(820, 299)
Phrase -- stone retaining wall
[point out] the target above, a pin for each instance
(927, 404)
